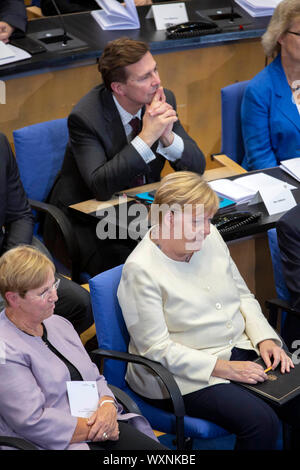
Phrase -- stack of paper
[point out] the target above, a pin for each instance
(9, 53)
(292, 167)
(116, 16)
(244, 188)
(259, 7)
(230, 189)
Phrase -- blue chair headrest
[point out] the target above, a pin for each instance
(40, 151)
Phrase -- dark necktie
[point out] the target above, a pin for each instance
(136, 128)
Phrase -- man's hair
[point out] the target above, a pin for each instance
(284, 14)
(116, 56)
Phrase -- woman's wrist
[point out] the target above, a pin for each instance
(107, 401)
(220, 369)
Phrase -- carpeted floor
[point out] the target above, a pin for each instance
(222, 443)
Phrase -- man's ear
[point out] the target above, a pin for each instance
(117, 88)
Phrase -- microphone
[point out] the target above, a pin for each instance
(54, 41)
(64, 36)
(232, 12)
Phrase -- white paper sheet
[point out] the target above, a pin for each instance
(83, 398)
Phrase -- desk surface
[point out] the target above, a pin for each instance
(89, 208)
(226, 169)
(86, 29)
(267, 221)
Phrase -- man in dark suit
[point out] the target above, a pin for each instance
(17, 228)
(106, 153)
(13, 18)
(288, 233)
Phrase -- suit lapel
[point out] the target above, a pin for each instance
(285, 103)
(113, 125)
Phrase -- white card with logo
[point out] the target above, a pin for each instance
(168, 15)
(83, 398)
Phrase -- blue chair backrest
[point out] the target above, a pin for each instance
(280, 285)
(40, 150)
(110, 326)
(232, 137)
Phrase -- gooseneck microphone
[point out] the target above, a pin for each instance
(61, 18)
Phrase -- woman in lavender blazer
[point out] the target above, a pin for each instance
(39, 353)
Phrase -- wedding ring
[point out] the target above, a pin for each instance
(105, 435)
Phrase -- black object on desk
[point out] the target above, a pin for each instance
(28, 44)
(279, 388)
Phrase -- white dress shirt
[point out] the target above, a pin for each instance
(172, 153)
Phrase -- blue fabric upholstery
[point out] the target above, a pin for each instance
(232, 138)
(40, 150)
(280, 285)
(112, 334)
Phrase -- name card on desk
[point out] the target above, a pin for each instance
(275, 198)
(168, 15)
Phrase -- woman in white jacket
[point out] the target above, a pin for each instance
(186, 306)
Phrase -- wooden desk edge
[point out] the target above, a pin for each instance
(227, 168)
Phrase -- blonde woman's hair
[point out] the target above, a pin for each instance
(181, 188)
(283, 15)
(23, 268)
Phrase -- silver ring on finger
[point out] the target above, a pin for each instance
(105, 435)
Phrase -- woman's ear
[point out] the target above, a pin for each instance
(168, 218)
(12, 298)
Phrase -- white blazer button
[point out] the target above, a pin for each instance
(218, 306)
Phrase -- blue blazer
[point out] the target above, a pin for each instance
(270, 119)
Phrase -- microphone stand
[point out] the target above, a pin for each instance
(65, 36)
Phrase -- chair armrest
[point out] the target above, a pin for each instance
(128, 403)
(275, 305)
(66, 229)
(17, 443)
(160, 370)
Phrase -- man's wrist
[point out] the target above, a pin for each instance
(167, 140)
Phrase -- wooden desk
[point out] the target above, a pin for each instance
(226, 168)
(49, 85)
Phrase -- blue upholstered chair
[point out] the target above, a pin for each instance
(113, 339)
(232, 138)
(40, 150)
(281, 303)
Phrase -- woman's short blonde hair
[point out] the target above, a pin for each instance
(283, 15)
(184, 187)
(23, 268)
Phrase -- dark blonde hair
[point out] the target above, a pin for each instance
(116, 56)
(184, 187)
(23, 268)
(283, 15)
